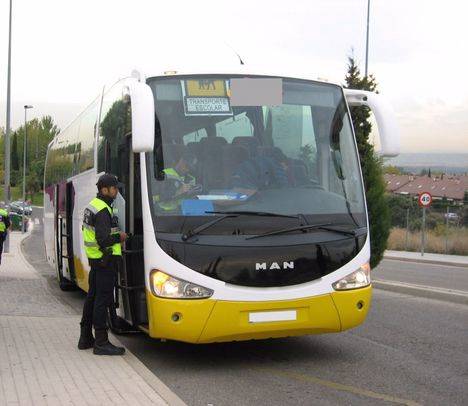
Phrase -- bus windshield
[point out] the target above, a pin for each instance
(230, 143)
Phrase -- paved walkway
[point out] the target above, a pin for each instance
(39, 361)
(458, 260)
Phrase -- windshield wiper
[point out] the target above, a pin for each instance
(204, 226)
(226, 214)
(323, 226)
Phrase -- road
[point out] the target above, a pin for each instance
(409, 351)
(438, 276)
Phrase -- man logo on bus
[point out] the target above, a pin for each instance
(262, 266)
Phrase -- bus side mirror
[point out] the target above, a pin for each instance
(384, 115)
(142, 117)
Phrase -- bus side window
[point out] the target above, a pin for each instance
(84, 154)
(114, 127)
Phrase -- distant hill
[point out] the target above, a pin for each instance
(443, 162)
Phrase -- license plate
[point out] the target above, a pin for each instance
(265, 317)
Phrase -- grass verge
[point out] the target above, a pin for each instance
(455, 243)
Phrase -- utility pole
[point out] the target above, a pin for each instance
(26, 107)
(367, 38)
(6, 246)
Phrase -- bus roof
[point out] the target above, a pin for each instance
(237, 70)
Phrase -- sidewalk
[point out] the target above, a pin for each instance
(441, 259)
(39, 361)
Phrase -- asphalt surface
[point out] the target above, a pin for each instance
(409, 351)
(438, 276)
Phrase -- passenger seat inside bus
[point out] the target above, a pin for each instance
(250, 143)
(211, 162)
(233, 157)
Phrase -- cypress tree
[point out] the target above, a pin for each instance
(14, 153)
(372, 169)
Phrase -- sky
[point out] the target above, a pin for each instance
(63, 52)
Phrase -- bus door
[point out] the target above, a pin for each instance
(130, 297)
(64, 196)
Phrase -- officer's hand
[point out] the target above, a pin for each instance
(123, 236)
(186, 188)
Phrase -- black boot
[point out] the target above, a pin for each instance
(86, 338)
(102, 346)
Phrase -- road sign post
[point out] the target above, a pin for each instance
(407, 229)
(423, 231)
(424, 200)
(446, 229)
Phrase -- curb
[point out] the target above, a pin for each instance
(151, 379)
(21, 253)
(427, 261)
(446, 295)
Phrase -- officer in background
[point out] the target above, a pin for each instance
(102, 242)
(4, 226)
(179, 183)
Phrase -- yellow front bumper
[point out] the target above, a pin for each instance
(208, 320)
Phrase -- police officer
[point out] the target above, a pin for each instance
(180, 183)
(4, 226)
(102, 242)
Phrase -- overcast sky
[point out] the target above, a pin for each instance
(63, 52)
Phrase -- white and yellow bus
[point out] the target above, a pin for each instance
(264, 230)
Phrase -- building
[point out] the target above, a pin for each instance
(451, 187)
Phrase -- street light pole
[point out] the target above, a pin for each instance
(6, 158)
(367, 37)
(26, 107)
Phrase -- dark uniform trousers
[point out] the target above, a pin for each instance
(2, 240)
(102, 280)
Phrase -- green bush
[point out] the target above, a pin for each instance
(372, 168)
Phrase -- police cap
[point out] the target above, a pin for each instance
(107, 180)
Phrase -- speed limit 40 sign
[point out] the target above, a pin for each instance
(425, 199)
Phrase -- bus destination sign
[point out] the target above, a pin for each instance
(206, 97)
(207, 105)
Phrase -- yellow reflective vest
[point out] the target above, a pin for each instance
(3, 216)
(173, 204)
(92, 249)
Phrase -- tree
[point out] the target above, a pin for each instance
(40, 134)
(465, 209)
(14, 153)
(33, 184)
(398, 205)
(2, 144)
(392, 170)
(377, 206)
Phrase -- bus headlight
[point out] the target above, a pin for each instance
(164, 285)
(355, 280)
